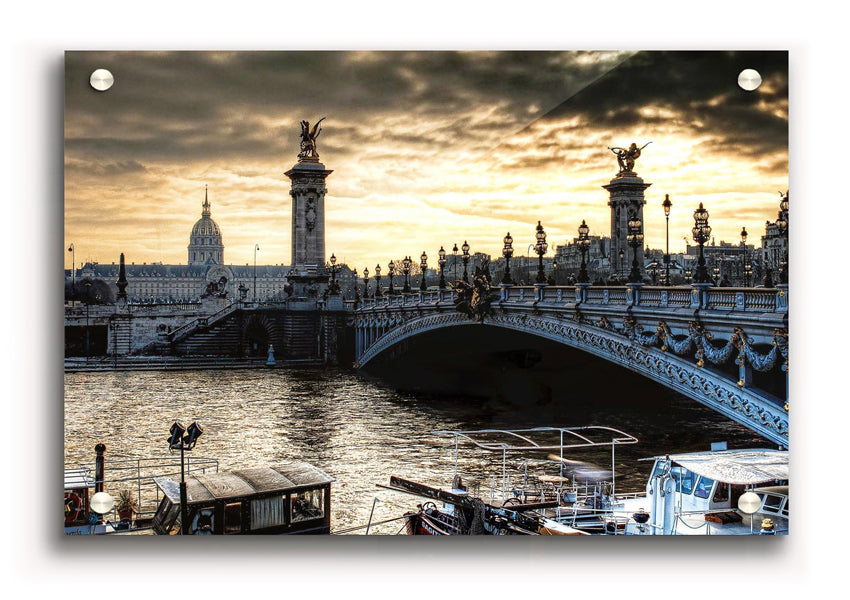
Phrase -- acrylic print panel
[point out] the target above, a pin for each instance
(426, 292)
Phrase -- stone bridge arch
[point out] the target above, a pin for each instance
(378, 332)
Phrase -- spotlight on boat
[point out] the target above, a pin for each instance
(177, 431)
(192, 434)
(641, 516)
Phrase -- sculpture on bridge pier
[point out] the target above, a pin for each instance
(309, 150)
(626, 158)
(474, 300)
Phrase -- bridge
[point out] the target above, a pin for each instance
(702, 341)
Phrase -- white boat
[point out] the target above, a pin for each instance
(721, 492)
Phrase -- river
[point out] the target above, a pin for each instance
(361, 431)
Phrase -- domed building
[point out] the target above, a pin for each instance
(205, 244)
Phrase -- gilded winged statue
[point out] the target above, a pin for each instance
(626, 157)
(309, 150)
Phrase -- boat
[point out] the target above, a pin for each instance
(465, 515)
(542, 503)
(720, 492)
(286, 498)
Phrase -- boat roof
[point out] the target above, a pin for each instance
(544, 438)
(78, 479)
(238, 483)
(743, 467)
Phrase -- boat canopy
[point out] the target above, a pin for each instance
(741, 467)
(78, 479)
(543, 438)
(238, 483)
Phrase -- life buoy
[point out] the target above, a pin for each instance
(73, 508)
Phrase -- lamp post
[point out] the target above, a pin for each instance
(178, 441)
(540, 248)
(688, 276)
(635, 240)
(583, 245)
(391, 290)
(334, 284)
(406, 270)
(748, 270)
(782, 226)
(73, 273)
(622, 263)
(256, 249)
(454, 255)
(667, 205)
(744, 256)
(716, 272)
(441, 261)
(356, 289)
(465, 249)
(378, 281)
(507, 252)
(423, 264)
(555, 271)
(701, 232)
(365, 283)
(87, 283)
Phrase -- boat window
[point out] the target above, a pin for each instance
(703, 488)
(772, 503)
(684, 480)
(660, 466)
(166, 517)
(721, 494)
(308, 505)
(785, 508)
(268, 512)
(233, 518)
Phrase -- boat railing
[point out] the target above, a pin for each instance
(136, 475)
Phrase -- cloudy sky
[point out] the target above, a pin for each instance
(427, 148)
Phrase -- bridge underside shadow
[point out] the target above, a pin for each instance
(513, 370)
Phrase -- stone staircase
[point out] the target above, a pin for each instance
(221, 337)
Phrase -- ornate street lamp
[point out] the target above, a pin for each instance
(423, 264)
(178, 441)
(583, 245)
(406, 270)
(716, 272)
(334, 289)
(365, 283)
(454, 254)
(667, 205)
(622, 263)
(391, 290)
(378, 281)
(635, 240)
(465, 249)
(356, 288)
(555, 271)
(441, 261)
(744, 256)
(688, 276)
(701, 232)
(507, 252)
(540, 248)
(653, 270)
(782, 226)
(748, 270)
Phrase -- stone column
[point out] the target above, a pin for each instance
(626, 198)
(308, 227)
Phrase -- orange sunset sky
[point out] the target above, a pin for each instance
(427, 148)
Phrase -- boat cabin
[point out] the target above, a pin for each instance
(288, 498)
(701, 489)
(78, 482)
